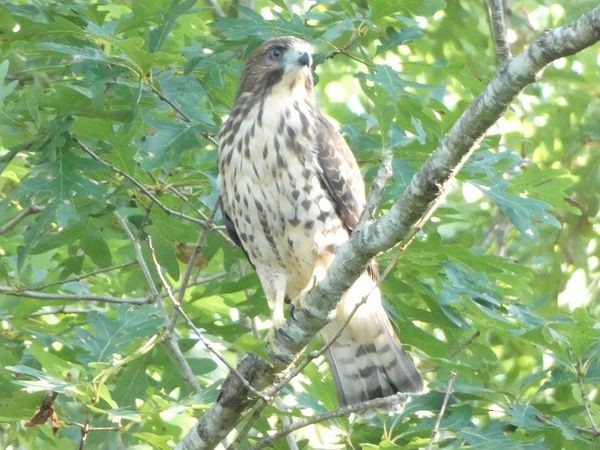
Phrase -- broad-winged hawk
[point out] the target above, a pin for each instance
(291, 193)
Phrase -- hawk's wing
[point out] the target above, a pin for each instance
(231, 231)
(340, 173)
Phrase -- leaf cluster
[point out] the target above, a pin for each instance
(109, 110)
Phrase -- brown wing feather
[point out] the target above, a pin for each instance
(340, 173)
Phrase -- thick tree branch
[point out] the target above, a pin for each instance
(410, 212)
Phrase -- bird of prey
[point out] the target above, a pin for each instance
(291, 193)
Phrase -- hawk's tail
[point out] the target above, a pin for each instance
(367, 359)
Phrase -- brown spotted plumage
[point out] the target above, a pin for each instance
(291, 192)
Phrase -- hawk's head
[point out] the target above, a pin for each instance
(279, 63)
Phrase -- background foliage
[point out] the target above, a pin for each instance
(501, 287)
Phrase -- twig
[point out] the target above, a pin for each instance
(438, 421)
(179, 111)
(216, 8)
(177, 305)
(591, 432)
(378, 403)
(584, 396)
(82, 276)
(466, 343)
(165, 99)
(91, 427)
(31, 293)
(31, 209)
(384, 172)
(61, 310)
(85, 430)
(190, 267)
(253, 416)
(498, 26)
(344, 48)
(456, 352)
(72, 297)
(169, 339)
(139, 185)
(287, 423)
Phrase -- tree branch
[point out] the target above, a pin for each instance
(169, 339)
(438, 421)
(498, 26)
(179, 111)
(168, 336)
(139, 185)
(396, 401)
(82, 276)
(185, 280)
(72, 297)
(31, 209)
(410, 212)
(585, 399)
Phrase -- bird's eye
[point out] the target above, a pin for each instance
(275, 54)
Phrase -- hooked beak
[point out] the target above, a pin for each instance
(305, 59)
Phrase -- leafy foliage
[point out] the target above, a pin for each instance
(107, 117)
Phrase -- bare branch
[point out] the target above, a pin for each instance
(51, 311)
(158, 299)
(170, 339)
(139, 185)
(31, 209)
(407, 214)
(82, 276)
(72, 297)
(190, 267)
(436, 427)
(583, 430)
(498, 25)
(395, 401)
(594, 433)
(584, 396)
(216, 8)
(179, 111)
(377, 190)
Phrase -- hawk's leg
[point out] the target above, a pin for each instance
(278, 306)
(274, 284)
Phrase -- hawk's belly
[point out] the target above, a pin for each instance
(272, 192)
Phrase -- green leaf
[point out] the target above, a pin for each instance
(525, 416)
(42, 381)
(523, 212)
(160, 34)
(164, 147)
(108, 338)
(393, 39)
(254, 25)
(96, 248)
